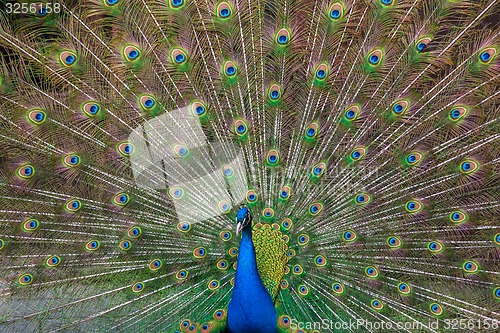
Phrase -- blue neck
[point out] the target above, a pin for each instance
(251, 308)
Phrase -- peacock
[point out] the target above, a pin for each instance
(260, 166)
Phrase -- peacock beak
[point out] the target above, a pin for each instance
(239, 226)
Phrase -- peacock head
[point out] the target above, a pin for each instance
(243, 219)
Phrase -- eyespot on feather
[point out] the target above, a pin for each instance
(338, 288)
(422, 43)
(199, 252)
(414, 206)
(147, 102)
(470, 267)
(53, 261)
(92, 245)
(400, 107)
(224, 10)
(73, 205)
(321, 72)
(404, 288)
(349, 236)
(199, 109)
(25, 171)
(458, 216)
(36, 116)
(131, 53)
(68, 58)
(282, 36)
(469, 166)
(229, 69)
(336, 11)
(25, 279)
(155, 264)
(487, 54)
(376, 304)
(178, 56)
(375, 57)
(394, 242)
(125, 245)
(125, 149)
(134, 232)
(138, 287)
(30, 225)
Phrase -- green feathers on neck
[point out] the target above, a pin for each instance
(270, 248)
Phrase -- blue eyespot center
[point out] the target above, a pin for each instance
(230, 70)
(466, 166)
(310, 132)
(199, 110)
(317, 170)
(177, 3)
(398, 108)
(241, 128)
(412, 158)
(275, 94)
(374, 59)
(282, 39)
(421, 46)
(39, 116)
(272, 158)
(455, 114)
(350, 114)
(356, 154)
(180, 58)
(224, 12)
(93, 109)
(251, 197)
(133, 54)
(335, 14)
(321, 74)
(70, 59)
(485, 56)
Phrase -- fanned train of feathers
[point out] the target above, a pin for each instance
(370, 140)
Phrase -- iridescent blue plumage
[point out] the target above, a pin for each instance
(251, 309)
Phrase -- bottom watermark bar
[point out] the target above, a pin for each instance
(435, 324)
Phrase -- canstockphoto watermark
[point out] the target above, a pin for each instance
(435, 324)
(355, 324)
